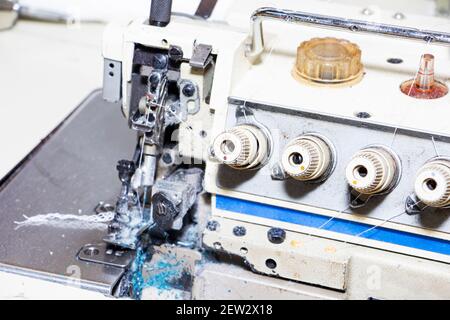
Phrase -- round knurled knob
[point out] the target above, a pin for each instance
(306, 158)
(371, 171)
(328, 61)
(432, 184)
(236, 147)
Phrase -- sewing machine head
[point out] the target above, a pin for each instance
(325, 140)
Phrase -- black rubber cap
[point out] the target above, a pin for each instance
(160, 13)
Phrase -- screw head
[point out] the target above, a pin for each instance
(175, 53)
(239, 231)
(271, 264)
(212, 225)
(159, 61)
(167, 158)
(189, 90)
(154, 79)
(276, 235)
(363, 115)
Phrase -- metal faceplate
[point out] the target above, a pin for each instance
(68, 173)
(348, 136)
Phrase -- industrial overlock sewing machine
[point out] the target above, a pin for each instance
(307, 156)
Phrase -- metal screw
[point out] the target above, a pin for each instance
(189, 90)
(239, 231)
(363, 115)
(429, 39)
(212, 225)
(167, 158)
(175, 53)
(159, 61)
(154, 79)
(271, 264)
(276, 235)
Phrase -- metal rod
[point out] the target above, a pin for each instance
(257, 45)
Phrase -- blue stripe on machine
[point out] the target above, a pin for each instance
(336, 225)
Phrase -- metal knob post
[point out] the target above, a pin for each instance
(160, 13)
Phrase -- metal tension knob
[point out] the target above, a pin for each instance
(241, 147)
(371, 171)
(306, 158)
(432, 185)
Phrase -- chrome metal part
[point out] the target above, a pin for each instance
(104, 254)
(256, 46)
(189, 93)
(88, 141)
(112, 80)
(149, 117)
(174, 196)
(9, 13)
(201, 57)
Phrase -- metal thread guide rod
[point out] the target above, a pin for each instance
(256, 46)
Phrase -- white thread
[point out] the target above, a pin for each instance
(383, 222)
(68, 220)
(337, 215)
(395, 135)
(380, 224)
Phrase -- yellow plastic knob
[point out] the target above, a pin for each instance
(329, 61)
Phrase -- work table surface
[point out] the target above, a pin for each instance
(46, 70)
